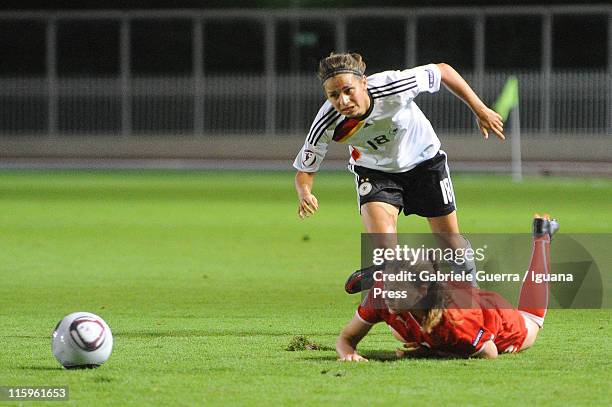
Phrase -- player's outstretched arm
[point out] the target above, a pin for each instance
(303, 186)
(351, 335)
(488, 120)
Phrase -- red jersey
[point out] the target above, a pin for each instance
(463, 330)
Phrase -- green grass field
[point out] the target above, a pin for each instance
(205, 278)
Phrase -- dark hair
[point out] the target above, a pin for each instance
(335, 64)
(435, 301)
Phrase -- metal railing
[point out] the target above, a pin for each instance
(577, 102)
(237, 105)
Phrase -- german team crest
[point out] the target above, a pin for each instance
(365, 188)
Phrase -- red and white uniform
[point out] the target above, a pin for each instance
(463, 330)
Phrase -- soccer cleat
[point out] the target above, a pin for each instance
(361, 280)
(543, 225)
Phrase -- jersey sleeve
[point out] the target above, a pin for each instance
(410, 82)
(428, 78)
(467, 331)
(313, 151)
(367, 310)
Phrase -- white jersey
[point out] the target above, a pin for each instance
(393, 136)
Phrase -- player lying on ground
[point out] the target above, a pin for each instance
(443, 320)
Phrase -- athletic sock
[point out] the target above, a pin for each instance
(533, 301)
(465, 267)
(466, 264)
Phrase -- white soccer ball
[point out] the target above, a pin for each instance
(82, 340)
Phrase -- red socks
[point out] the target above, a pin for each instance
(533, 301)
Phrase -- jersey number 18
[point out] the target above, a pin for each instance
(376, 141)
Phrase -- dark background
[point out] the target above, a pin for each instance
(164, 47)
(161, 4)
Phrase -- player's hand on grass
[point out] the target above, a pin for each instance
(308, 206)
(412, 349)
(352, 357)
(490, 120)
(409, 349)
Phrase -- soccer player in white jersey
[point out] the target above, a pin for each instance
(394, 151)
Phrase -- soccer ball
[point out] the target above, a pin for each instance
(81, 340)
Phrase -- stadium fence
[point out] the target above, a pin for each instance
(271, 104)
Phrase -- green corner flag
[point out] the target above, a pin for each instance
(508, 98)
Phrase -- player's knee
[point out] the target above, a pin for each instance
(378, 217)
(532, 333)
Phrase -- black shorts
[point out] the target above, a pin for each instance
(426, 190)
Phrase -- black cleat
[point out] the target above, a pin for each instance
(361, 280)
(544, 226)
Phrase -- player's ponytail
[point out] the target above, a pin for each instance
(436, 300)
(335, 64)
